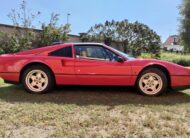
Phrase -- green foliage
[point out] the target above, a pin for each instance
(23, 36)
(185, 24)
(133, 37)
(26, 37)
(146, 56)
(15, 43)
(180, 59)
(51, 33)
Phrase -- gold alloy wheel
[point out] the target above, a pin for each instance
(151, 83)
(36, 80)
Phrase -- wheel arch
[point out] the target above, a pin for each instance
(157, 66)
(32, 64)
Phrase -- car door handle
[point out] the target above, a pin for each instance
(62, 62)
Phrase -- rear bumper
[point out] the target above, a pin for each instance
(11, 82)
(10, 77)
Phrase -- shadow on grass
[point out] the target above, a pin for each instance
(85, 95)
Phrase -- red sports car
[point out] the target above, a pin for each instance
(39, 70)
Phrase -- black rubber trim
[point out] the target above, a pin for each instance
(11, 82)
(181, 87)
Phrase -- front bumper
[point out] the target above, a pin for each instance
(180, 82)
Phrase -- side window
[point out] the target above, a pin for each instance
(63, 52)
(91, 52)
(112, 56)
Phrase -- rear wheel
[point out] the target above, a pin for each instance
(152, 82)
(38, 79)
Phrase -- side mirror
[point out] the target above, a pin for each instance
(120, 59)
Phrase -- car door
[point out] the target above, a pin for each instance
(62, 61)
(93, 66)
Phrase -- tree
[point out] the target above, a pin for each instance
(53, 33)
(144, 39)
(185, 24)
(133, 37)
(103, 32)
(23, 17)
(25, 36)
(124, 31)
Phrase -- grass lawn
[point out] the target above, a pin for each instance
(93, 112)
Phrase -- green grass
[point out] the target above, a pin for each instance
(93, 112)
(1, 82)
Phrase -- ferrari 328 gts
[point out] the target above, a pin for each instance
(39, 70)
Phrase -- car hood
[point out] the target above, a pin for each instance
(174, 69)
(150, 61)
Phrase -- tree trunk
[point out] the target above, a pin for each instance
(125, 46)
(107, 41)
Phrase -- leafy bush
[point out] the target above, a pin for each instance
(180, 59)
(148, 56)
(53, 33)
(25, 37)
(16, 42)
(183, 62)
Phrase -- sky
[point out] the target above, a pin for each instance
(160, 15)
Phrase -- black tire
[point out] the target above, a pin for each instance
(163, 88)
(44, 69)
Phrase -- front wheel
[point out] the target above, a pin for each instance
(38, 79)
(152, 82)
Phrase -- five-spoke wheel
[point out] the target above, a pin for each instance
(38, 79)
(152, 82)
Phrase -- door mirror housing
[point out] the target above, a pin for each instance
(120, 59)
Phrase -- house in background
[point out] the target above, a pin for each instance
(172, 44)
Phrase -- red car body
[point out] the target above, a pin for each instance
(73, 71)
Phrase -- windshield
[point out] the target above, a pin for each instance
(122, 53)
